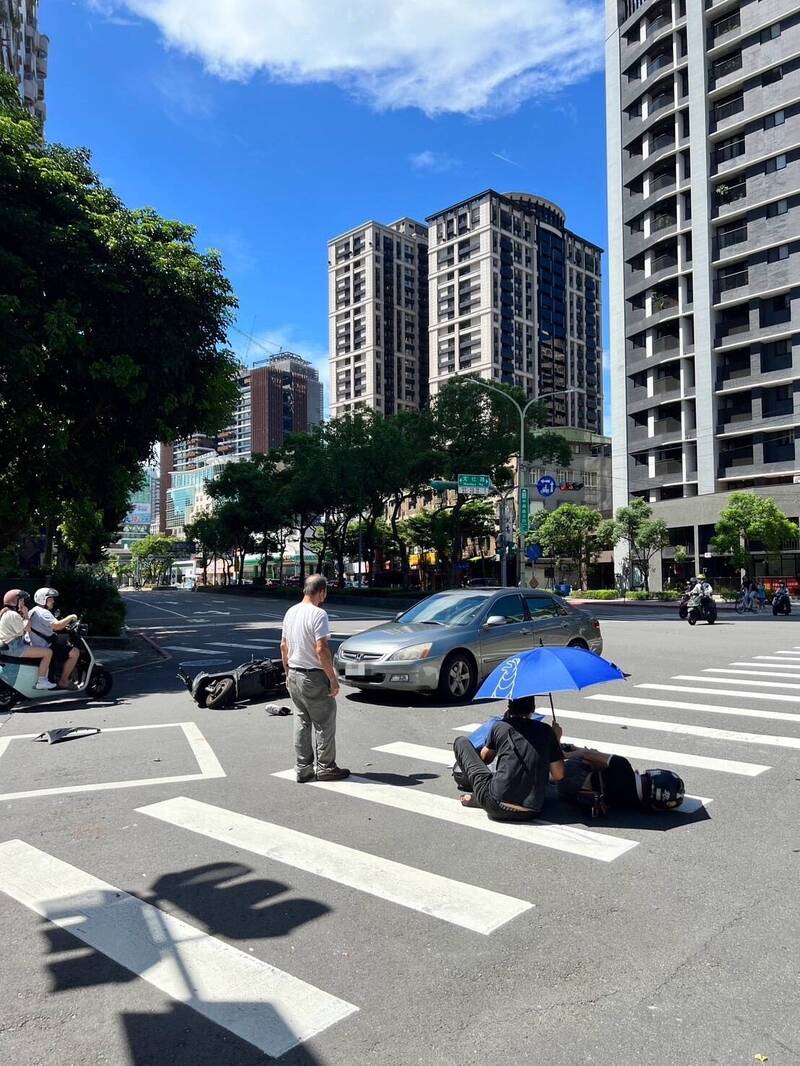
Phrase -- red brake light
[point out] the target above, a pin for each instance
(596, 623)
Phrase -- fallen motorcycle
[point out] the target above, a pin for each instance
(223, 688)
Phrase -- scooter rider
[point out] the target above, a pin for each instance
(14, 627)
(44, 627)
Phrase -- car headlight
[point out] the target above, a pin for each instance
(416, 651)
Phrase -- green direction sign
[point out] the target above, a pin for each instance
(474, 484)
(524, 510)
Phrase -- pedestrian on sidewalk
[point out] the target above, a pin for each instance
(312, 683)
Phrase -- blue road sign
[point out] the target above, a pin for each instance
(546, 485)
(534, 552)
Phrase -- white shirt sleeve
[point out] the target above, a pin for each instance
(322, 627)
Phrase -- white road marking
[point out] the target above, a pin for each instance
(207, 762)
(763, 672)
(679, 758)
(217, 612)
(247, 647)
(775, 697)
(707, 708)
(444, 757)
(198, 651)
(268, 1008)
(732, 681)
(679, 728)
(767, 662)
(155, 607)
(456, 902)
(448, 809)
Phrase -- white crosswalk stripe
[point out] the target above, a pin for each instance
(446, 808)
(734, 681)
(444, 757)
(461, 904)
(256, 1001)
(794, 664)
(775, 697)
(706, 708)
(197, 651)
(777, 664)
(247, 647)
(666, 758)
(741, 672)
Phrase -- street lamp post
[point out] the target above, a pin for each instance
(522, 412)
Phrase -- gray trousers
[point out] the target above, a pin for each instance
(316, 710)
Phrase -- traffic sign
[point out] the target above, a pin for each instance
(442, 486)
(546, 485)
(523, 510)
(474, 484)
(534, 552)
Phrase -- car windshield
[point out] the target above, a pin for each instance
(446, 610)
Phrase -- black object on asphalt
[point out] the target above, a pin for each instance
(55, 736)
(223, 688)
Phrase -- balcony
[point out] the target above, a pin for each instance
(668, 343)
(669, 383)
(659, 182)
(665, 467)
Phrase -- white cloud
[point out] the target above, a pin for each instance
(438, 162)
(506, 159)
(437, 55)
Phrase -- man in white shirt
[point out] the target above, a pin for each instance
(43, 628)
(312, 683)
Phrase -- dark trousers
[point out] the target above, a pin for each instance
(472, 774)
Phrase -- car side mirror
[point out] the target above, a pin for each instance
(495, 620)
(398, 616)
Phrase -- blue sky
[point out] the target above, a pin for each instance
(293, 131)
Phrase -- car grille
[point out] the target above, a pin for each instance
(360, 656)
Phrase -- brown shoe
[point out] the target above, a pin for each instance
(332, 773)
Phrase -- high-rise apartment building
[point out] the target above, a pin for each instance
(378, 318)
(276, 397)
(23, 51)
(515, 298)
(703, 102)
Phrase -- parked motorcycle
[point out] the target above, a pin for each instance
(781, 601)
(18, 676)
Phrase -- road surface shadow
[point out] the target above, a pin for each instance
(398, 779)
(219, 901)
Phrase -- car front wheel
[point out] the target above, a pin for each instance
(458, 678)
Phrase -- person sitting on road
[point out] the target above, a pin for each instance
(44, 629)
(527, 753)
(14, 626)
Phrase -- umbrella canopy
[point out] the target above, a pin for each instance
(541, 670)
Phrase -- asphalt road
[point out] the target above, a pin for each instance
(165, 898)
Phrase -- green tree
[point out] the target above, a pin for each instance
(749, 518)
(154, 556)
(574, 532)
(645, 536)
(113, 330)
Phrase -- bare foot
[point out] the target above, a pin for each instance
(468, 800)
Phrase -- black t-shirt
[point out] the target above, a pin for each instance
(524, 753)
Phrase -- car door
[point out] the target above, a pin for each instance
(550, 622)
(509, 631)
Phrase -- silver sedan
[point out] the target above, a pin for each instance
(449, 642)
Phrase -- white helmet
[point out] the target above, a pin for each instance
(40, 597)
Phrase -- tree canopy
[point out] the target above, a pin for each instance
(749, 520)
(573, 531)
(113, 330)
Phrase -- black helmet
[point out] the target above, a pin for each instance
(662, 790)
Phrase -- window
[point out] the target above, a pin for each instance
(771, 32)
(776, 119)
(541, 607)
(775, 255)
(730, 149)
(727, 65)
(771, 76)
(778, 163)
(780, 207)
(509, 608)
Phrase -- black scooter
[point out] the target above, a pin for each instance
(781, 602)
(701, 608)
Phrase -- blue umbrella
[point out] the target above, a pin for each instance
(544, 670)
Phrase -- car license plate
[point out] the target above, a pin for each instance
(354, 669)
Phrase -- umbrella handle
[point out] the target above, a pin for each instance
(552, 709)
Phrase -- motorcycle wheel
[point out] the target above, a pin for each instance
(100, 683)
(692, 620)
(220, 693)
(682, 612)
(8, 697)
(775, 612)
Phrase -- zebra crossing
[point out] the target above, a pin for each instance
(275, 1010)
